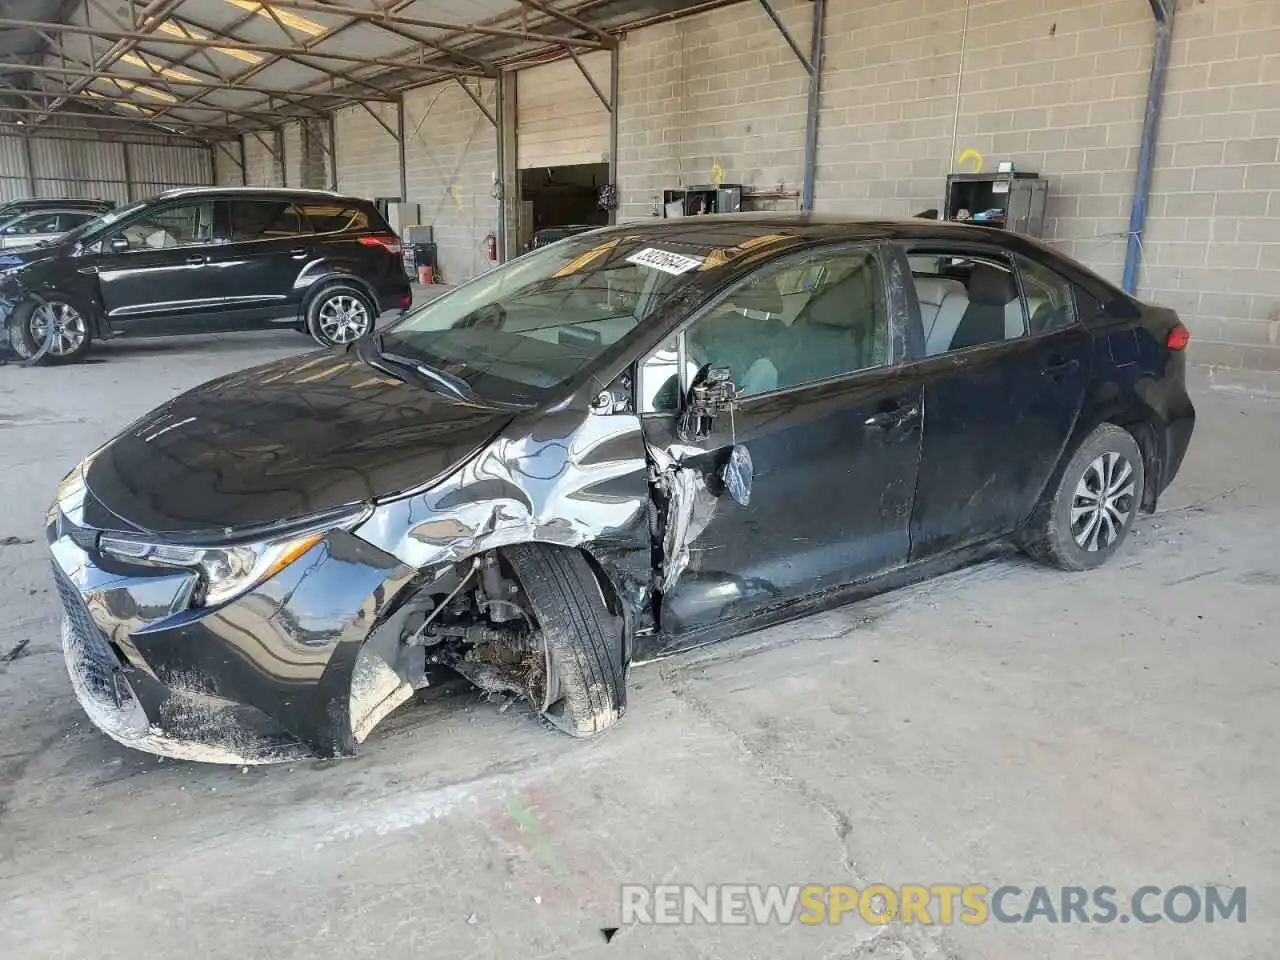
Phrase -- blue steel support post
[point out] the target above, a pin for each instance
(1164, 13)
(811, 110)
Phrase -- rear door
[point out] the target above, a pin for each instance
(832, 427)
(164, 277)
(270, 246)
(1004, 363)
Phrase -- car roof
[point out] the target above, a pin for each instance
(296, 193)
(726, 229)
(55, 202)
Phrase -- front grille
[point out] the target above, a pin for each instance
(99, 665)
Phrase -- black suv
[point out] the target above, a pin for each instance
(204, 260)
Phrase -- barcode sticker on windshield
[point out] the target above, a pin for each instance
(672, 263)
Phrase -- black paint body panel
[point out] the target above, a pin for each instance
(862, 482)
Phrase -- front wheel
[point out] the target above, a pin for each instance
(582, 684)
(49, 329)
(1095, 502)
(339, 315)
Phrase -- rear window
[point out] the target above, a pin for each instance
(336, 217)
(265, 220)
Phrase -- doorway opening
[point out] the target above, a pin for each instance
(561, 197)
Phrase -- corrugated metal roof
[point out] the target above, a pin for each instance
(257, 62)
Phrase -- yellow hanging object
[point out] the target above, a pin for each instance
(717, 174)
(973, 155)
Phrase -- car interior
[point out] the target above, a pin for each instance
(828, 322)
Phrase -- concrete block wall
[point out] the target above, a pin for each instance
(226, 168)
(1213, 240)
(368, 158)
(1057, 86)
(293, 154)
(261, 168)
(451, 157)
(718, 93)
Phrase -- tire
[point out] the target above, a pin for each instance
(583, 639)
(341, 314)
(27, 325)
(1068, 532)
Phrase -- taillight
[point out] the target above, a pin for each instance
(1178, 338)
(390, 243)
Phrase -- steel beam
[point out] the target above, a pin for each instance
(615, 86)
(90, 74)
(128, 173)
(475, 98)
(278, 136)
(152, 12)
(382, 123)
(786, 35)
(595, 87)
(146, 110)
(333, 153)
(244, 163)
(103, 134)
(208, 43)
(375, 16)
(116, 117)
(811, 111)
(570, 19)
(400, 147)
(31, 167)
(1164, 16)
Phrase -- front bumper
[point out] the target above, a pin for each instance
(265, 678)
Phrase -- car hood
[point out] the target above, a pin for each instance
(278, 442)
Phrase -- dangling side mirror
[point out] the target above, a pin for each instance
(713, 392)
(737, 474)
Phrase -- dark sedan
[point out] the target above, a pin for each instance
(610, 449)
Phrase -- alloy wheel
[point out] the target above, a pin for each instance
(69, 330)
(344, 319)
(1103, 502)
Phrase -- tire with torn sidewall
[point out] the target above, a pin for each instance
(583, 638)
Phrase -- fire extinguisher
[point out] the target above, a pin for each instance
(491, 246)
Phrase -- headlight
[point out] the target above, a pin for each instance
(227, 570)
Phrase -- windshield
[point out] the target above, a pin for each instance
(90, 231)
(523, 329)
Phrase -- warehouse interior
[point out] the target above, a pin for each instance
(1004, 726)
(1153, 125)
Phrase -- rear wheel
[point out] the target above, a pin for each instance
(1094, 504)
(50, 330)
(583, 691)
(340, 314)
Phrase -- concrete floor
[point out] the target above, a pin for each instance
(1006, 724)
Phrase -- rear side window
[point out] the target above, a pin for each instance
(69, 221)
(1050, 305)
(335, 217)
(966, 301)
(265, 220)
(32, 223)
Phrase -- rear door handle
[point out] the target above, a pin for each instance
(196, 259)
(1059, 368)
(298, 253)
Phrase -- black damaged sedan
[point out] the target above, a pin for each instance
(628, 443)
